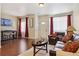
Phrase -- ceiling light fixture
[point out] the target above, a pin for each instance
(41, 4)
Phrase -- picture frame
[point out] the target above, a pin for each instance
(6, 22)
(31, 22)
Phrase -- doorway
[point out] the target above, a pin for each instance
(43, 27)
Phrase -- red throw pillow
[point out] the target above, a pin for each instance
(71, 47)
(54, 34)
(65, 39)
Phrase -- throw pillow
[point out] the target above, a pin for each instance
(71, 46)
(54, 34)
(65, 39)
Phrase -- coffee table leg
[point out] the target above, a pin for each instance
(46, 48)
(34, 51)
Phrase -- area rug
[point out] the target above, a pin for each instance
(40, 53)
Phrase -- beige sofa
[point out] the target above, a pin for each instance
(60, 52)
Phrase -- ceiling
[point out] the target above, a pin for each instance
(22, 9)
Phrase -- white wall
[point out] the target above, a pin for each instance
(58, 8)
(36, 26)
(76, 18)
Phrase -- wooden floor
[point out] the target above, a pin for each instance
(15, 47)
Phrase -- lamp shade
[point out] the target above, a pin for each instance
(71, 28)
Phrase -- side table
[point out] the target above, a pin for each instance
(52, 53)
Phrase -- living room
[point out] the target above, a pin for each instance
(37, 23)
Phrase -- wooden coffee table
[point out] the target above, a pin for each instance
(43, 44)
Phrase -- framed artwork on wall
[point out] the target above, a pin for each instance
(6, 22)
(31, 22)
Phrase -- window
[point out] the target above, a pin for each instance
(23, 24)
(60, 24)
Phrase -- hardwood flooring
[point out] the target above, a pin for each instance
(15, 47)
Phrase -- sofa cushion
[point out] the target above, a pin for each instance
(59, 45)
(71, 46)
(76, 37)
(66, 38)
